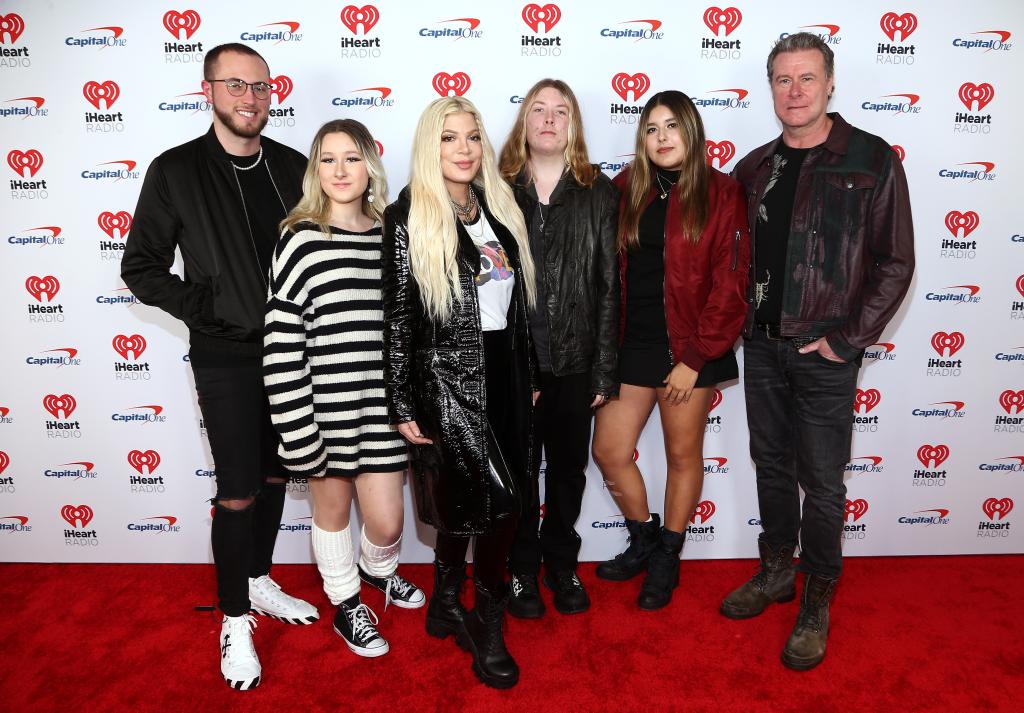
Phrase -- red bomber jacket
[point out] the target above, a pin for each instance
(705, 282)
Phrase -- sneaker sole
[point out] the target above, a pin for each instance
(244, 684)
(360, 651)
(298, 621)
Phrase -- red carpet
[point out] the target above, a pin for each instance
(928, 633)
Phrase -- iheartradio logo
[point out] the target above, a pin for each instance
(5, 460)
(451, 84)
(12, 26)
(534, 14)
(980, 94)
(133, 345)
(966, 222)
(42, 287)
(637, 83)
(110, 223)
(718, 19)
(1020, 285)
(905, 24)
(95, 93)
(60, 406)
(997, 509)
(380, 147)
(855, 509)
(352, 17)
(80, 514)
(281, 87)
(1012, 401)
(947, 344)
(716, 398)
(182, 23)
(703, 512)
(22, 161)
(932, 456)
(866, 399)
(900, 151)
(145, 462)
(723, 151)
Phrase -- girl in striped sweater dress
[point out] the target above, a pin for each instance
(324, 376)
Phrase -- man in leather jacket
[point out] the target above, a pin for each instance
(219, 199)
(829, 210)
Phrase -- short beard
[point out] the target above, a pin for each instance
(229, 120)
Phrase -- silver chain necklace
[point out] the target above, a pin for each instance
(664, 190)
(254, 164)
(464, 211)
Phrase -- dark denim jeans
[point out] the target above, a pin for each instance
(800, 417)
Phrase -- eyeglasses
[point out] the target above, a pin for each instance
(236, 87)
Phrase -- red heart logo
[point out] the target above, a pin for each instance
(144, 461)
(352, 17)
(5, 460)
(11, 25)
(134, 345)
(723, 151)
(997, 509)
(281, 87)
(981, 94)
(82, 514)
(947, 344)
(957, 221)
(855, 509)
(728, 19)
(1020, 285)
(182, 22)
(110, 223)
(637, 83)
(892, 23)
(1012, 401)
(932, 456)
(534, 14)
(57, 405)
(716, 398)
(703, 512)
(866, 399)
(900, 151)
(96, 93)
(39, 287)
(446, 84)
(22, 161)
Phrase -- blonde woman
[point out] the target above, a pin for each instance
(324, 376)
(457, 281)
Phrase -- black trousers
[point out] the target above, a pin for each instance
(800, 418)
(562, 421)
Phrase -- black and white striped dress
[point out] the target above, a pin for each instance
(322, 363)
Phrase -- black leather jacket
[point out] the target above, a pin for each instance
(434, 375)
(190, 200)
(581, 278)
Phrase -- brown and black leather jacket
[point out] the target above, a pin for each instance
(851, 241)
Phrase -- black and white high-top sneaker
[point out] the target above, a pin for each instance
(266, 598)
(238, 663)
(397, 590)
(357, 625)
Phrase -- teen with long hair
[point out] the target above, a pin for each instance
(323, 372)
(684, 258)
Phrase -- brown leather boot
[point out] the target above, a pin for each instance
(774, 582)
(806, 646)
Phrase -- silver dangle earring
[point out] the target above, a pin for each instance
(370, 198)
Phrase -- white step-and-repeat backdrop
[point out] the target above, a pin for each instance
(103, 456)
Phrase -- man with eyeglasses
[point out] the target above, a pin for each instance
(219, 199)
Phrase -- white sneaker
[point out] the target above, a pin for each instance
(266, 598)
(238, 663)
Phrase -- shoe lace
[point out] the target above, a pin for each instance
(364, 623)
(399, 586)
(809, 618)
(517, 586)
(523, 585)
(238, 627)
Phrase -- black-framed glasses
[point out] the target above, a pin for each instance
(236, 87)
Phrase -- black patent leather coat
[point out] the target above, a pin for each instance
(434, 374)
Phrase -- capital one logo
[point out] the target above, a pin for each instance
(80, 514)
(12, 26)
(932, 456)
(25, 161)
(1012, 401)
(947, 343)
(866, 399)
(718, 19)
(60, 406)
(966, 222)
(637, 83)
(980, 94)
(997, 509)
(110, 223)
(95, 93)
(134, 345)
(855, 509)
(352, 17)
(703, 512)
(904, 24)
(534, 14)
(451, 84)
(182, 23)
(723, 151)
(42, 287)
(281, 87)
(144, 461)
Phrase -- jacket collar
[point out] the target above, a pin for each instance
(217, 151)
(837, 141)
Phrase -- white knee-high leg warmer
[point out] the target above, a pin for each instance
(379, 561)
(336, 562)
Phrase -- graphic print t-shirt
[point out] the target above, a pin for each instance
(495, 280)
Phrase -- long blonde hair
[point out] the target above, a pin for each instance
(691, 190)
(315, 206)
(516, 152)
(433, 237)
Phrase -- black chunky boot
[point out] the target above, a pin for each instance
(482, 637)
(774, 582)
(643, 536)
(662, 571)
(445, 613)
(806, 646)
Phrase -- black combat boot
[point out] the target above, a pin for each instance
(662, 571)
(774, 582)
(806, 646)
(445, 613)
(482, 637)
(643, 536)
